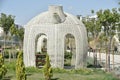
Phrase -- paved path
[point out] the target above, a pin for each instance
(103, 58)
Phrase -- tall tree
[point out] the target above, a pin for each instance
(93, 26)
(6, 22)
(20, 34)
(109, 19)
(13, 31)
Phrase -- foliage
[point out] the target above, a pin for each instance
(47, 69)
(68, 55)
(108, 19)
(3, 69)
(20, 34)
(93, 26)
(20, 68)
(13, 29)
(6, 22)
(67, 58)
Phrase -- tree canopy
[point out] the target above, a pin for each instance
(6, 21)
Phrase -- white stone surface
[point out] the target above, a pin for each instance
(55, 24)
(1, 31)
(116, 42)
(40, 42)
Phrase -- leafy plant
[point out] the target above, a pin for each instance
(3, 69)
(68, 55)
(47, 69)
(20, 68)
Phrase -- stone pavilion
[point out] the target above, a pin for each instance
(55, 24)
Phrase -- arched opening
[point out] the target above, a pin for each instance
(69, 51)
(40, 49)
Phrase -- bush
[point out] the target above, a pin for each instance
(47, 69)
(3, 69)
(68, 55)
(20, 68)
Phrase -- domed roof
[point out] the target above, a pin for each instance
(54, 15)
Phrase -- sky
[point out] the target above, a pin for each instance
(25, 10)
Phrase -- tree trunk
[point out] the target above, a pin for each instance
(4, 45)
(106, 59)
(113, 60)
(13, 53)
(95, 58)
(9, 55)
(21, 45)
(100, 55)
(109, 52)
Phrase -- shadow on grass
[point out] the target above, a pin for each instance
(28, 74)
(7, 78)
(69, 67)
(54, 78)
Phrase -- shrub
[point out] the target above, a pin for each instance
(68, 55)
(47, 69)
(20, 68)
(3, 69)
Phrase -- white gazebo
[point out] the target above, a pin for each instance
(55, 24)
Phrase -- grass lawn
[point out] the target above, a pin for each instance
(66, 76)
(61, 74)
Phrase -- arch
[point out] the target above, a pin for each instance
(40, 42)
(40, 49)
(69, 51)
